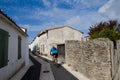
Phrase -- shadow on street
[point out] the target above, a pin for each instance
(59, 72)
(33, 72)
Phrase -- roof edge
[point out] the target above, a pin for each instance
(44, 31)
(12, 22)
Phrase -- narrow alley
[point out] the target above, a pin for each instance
(59, 40)
(33, 72)
(38, 72)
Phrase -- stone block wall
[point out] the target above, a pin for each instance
(95, 59)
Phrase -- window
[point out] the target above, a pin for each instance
(3, 48)
(43, 48)
(19, 47)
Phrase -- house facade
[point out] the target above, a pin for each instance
(34, 44)
(13, 47)
(57, 37)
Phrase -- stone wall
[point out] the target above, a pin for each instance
(95, 59)
(115, 58)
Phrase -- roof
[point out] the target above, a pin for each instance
(44, 31)
(15, 25)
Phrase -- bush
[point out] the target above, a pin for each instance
(109, 33)
(105, 30)
(94, 35)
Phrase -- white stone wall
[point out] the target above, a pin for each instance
(71, 34)
(34, 43)
(13, 64)
(42, 40)
(25, 50)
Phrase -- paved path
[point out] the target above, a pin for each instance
(33, 72)
(59, 72)
(45, 69)
(46, 72)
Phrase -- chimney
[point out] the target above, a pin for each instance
(24, 29)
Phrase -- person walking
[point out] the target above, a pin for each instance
(54, 54)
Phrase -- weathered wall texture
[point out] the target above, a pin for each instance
(115, 58)
(56, 36)
(95, 59)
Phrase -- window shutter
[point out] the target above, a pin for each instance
(3, 48)
(6, 50)
(19, 47)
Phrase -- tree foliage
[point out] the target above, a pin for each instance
(105, 30)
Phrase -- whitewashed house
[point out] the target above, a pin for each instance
(34, 44)
(13, 47)
(57, 37)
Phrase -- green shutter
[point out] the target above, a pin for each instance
(19, 47)
(3, 48)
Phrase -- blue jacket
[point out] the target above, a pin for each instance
(54, 51)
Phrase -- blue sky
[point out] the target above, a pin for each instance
(36, 15)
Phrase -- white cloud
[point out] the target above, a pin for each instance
(31, 27)
(111, 9)
(74, 21)
(25, 26)
(15, 18)
(39, 12)
(78, 18)
(53, 14)
(106, 6)
(46, 3)
(83, 22)
(39, 27)
(82, 15)
(93, 4)
(72, 1)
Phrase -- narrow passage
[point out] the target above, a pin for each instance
(33, 72)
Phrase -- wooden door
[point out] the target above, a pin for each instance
(61, 51)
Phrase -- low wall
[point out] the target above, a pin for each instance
(91, 58)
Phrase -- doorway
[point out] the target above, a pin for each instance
(61, 51)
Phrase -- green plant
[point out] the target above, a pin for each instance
(109, 33)
(105, 30)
